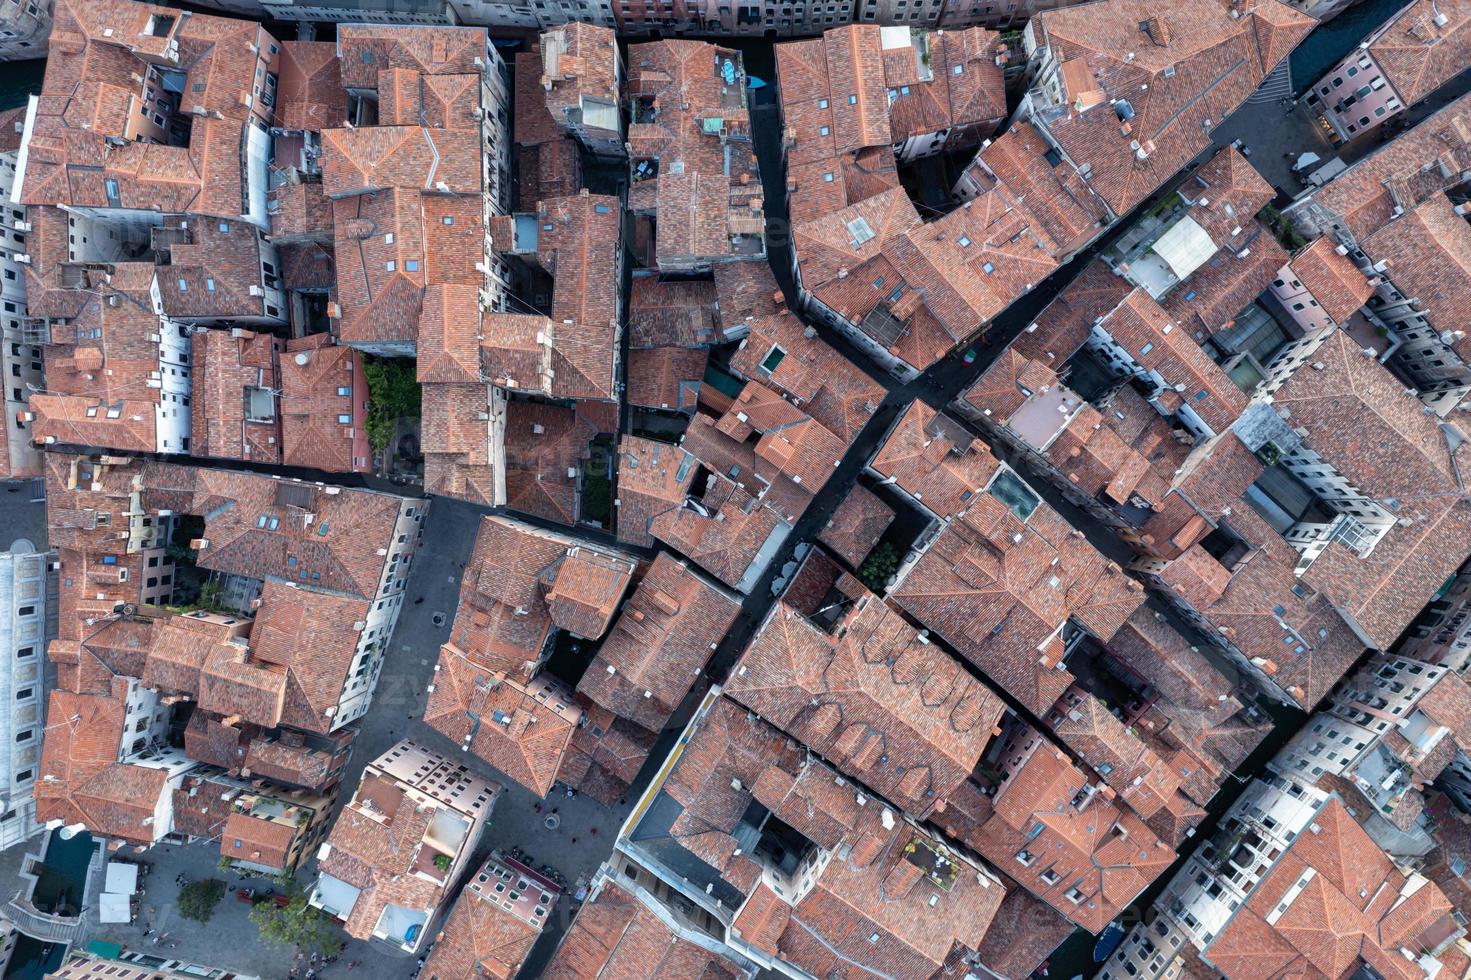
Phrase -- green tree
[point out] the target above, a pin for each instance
(393, 393)
(296, 924)
(198, 899)
(880, 565)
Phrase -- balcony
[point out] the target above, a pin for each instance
(400, 926)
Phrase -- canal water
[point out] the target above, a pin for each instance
(1323, 48)
(19, 80)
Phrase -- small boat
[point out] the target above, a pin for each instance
(1108, 941)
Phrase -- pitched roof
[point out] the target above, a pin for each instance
(1075, 838)
(997, 588)
(1334, 279)
(693, 126)
(546, 447)
(1145, 330)
(660, 644)
(458, 458)
(321, 383)
(1417, 52)
(934, 460)
(584, 589)
(81, 780)
(231, 374)
(873, 697)
(257, 840)
(857, 525)
(1032, 175)
(1354, 908)
(895, 882)
(1180, 66)
(816, 377)
(82, 148)
(653, 478)
(502, 619)
(616, 935)
(523, 731)
(1401, 173)
(1428, 254)
(487, 935)
(1361, 421)
(666, 377)
(309, 94)
(341, 549)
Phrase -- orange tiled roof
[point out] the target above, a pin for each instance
(1192, 65)
(1085, 841)
(321, 383)
(231, 372)
(933, 459)
(1334, 280)
(879, 702)
(523, 731)
(660, 644)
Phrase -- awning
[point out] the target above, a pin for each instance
(106, 950)
(1185, 247)
(113, 907)
(122, 878)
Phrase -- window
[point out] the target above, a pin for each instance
(411, 265)
(448, 219)
(852, 100)
(344, 419)
(987, 268)
(209, 284)
(183, 286)
(344, 391)
(1025, 857)
(823, 130)
(224, 227)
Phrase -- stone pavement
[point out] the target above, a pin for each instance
(229, 940)
(1276, 135)
(21, 516)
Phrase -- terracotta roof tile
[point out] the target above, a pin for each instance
(818, 379)
(523, 731)
(615, 935)
(1205, 68)
(1334, 280)
(309, 95)
(1417, 53)
(1402, 173)
(232, 384)
(321, 384)
(857, 525)
(933, 459)
(653, 478)
(1428, 254)
(545, 448)
(660, 644)
(483, 938)
(875, 677)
